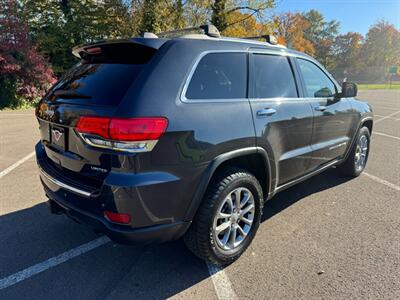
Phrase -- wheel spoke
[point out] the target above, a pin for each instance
(246, 198)
(245, 220)
(247, 209)
(232, 238)
(241, 231)
(224, 226)
(227, 234)
(237, 193)
(222, 215)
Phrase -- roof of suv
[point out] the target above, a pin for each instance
(226, 43)
(219, 43)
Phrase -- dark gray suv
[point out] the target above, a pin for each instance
(153, 139)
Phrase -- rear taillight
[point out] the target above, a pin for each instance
(132, 135)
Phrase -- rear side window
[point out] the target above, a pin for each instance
(317, 83)
(273, 77)
(104, 78)
(219, 76)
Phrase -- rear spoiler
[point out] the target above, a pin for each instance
(84, 50)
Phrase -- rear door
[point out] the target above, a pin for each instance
(332, 116)
(283, 120)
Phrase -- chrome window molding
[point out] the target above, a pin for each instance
(191, 73)
(268, 51)
(279, 99)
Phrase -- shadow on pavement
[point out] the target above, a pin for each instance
(286, 198)
(33, 235)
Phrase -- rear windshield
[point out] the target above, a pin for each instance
(104, 77)
(100, 84)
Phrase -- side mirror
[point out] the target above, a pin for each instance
(349, 89)
(323, 93)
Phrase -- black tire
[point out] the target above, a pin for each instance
(350, 167)
(200, 238)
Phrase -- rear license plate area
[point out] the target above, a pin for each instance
(58, 136)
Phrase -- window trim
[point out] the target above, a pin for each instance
(254, 50)
(297, 84)
(303, 83)
(183, 97)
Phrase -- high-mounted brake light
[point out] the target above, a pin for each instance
(94, 50)
(132, 135)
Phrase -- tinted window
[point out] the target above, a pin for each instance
(317, 83)
(101, 83)
(273, 77)
(219, 76)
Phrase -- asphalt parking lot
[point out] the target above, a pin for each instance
(329, 237)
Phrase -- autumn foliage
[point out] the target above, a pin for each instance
(24, 73)
(36, 36)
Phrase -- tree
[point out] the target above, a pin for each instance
(290, 30)
(380, 51)
(248, 25)
(24, 73)
(346, 51)
(58, 26)
(382, 45)
(322, 34)
(222, 9)
(219, 14)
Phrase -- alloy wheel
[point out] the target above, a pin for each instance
(234, 219)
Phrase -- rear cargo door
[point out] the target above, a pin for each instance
(93, 87)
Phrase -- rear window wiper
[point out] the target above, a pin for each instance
(70, 94)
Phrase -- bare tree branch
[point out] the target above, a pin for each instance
(241, 20)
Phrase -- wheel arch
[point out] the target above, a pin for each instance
(248, 159)
(365, 121)
(369, 123)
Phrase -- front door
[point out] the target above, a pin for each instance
(332, 116)
(283, 121)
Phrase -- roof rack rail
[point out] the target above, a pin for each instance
(208, 29)
(270, 39)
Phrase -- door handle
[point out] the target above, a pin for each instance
(266, 112)
(320, 108)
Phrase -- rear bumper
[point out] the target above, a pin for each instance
(119, 233)
(139, 195)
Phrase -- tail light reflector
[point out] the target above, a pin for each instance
(117, 217)
(132, 135)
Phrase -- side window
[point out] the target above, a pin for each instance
(219, 76)
(273, 77)
(318, 85)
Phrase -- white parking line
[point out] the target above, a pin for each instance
(17, 114)
(387, 117)
(222, 285)
(384, 107)
(386, 135)
(15, 165)
(52, 262)
(396, 119)
(382, 181)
